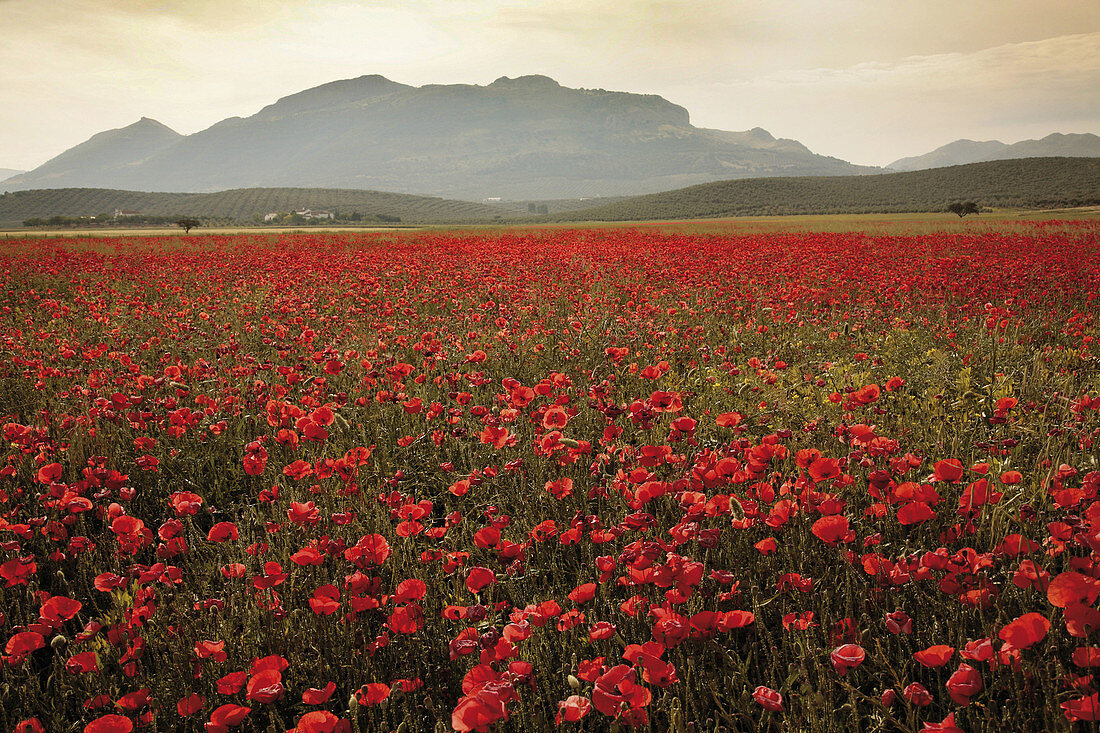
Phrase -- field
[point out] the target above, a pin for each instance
(1031, 183)
(746, 476)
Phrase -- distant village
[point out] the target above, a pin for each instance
(308, 216)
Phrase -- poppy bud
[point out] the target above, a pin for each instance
(574, 683)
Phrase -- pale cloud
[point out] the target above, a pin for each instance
(868, 80)
(875, 112)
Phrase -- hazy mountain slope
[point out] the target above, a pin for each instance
(961, 152)
(1024, 183)
(6, 173)
(522, 138)
(104, 156)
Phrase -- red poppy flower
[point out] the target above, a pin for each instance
(82, 663)
(935, 656)
(478, 578)
(325, 601)
(917, 694)
(1071, 588)
(188, 706)
(59, 609)
(728, 419)
(265, 687)
(947, 725)
(133, 701)
(572, 709)
(768, 699)
(616, 687)
(831, 530)
(23, 643)
(915, 512)
(964, 684)
(846, 657)
(601, 630)
(222, 532)
(1086, 656)
(1083, 708)
(1025, 631)
(110, 724)
(322, 721)
(409, 590)
(407, 619)
(372, 694)
(49, 473)
(823, 469)
(899, 622)
(232, 683)
(950, 470)
(229, 715)
(372, 549)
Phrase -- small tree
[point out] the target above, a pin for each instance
(187, 225)
(962, 208)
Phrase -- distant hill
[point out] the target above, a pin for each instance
(1026, 183)
(525, 138)
(961, 152)
(240, 205)
(6, 173)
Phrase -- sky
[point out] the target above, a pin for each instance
(868, 81)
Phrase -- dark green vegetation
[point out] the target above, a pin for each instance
(240, 205)
(527, 138)
(1030, 183)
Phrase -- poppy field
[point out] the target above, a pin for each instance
(583, 480)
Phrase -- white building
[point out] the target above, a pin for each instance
(315, 214)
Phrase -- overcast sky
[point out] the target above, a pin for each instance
(868, 81)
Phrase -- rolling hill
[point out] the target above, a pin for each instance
(240, 205)
(6, 173)
(1025, 183)
(526, 138)
(961, 152)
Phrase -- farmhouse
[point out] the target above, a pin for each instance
(315, 214)
(123, 213)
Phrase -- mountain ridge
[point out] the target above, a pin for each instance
(526, 137)
(963, 151)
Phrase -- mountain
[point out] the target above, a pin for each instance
(523, 138)
(6, 173)
(104, 156)
(968, 151)
(1028, 183)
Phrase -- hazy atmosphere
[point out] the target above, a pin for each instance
(863, 80)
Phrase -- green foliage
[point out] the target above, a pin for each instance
(239, 205)
(963, 208)
(1032, 183)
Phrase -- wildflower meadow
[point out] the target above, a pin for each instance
(575, 479)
